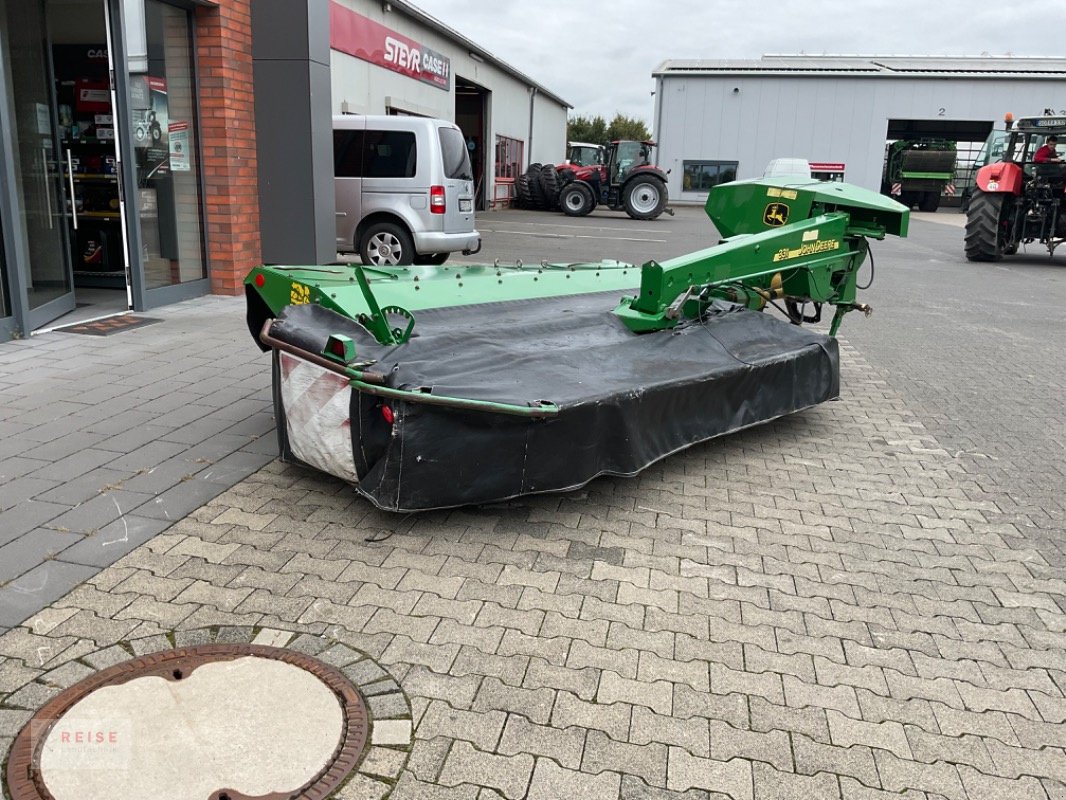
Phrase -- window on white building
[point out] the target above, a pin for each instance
(700, 176)
(508, 157)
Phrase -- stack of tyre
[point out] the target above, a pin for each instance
(538, 188)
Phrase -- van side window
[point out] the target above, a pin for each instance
(456, 157)
(390, 154)
(348, 154)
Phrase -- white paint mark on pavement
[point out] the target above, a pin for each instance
(125, 526)
(34, 589)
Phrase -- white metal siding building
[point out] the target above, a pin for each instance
(716, 117)
(393, 58)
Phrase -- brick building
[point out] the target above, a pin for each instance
(154, 186)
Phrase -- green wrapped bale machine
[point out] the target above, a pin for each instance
(432, 387)
(919, 171)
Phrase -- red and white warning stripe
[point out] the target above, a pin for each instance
(949, 190)
(317, 406)
(897, 189)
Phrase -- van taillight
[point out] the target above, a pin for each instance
(436, 200)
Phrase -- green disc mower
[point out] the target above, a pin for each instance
(432, 387)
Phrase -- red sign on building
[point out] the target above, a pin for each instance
(365, 39)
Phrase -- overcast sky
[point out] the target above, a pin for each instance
(599, 54)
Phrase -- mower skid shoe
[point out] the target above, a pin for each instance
(622, 400)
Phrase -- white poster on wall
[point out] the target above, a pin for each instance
(44, 119)
(179, 146)
(136, 36)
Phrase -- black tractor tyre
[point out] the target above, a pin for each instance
(524, 192)
(540, 199)
(644, 197)
(983, 226)
(386, 244)
(428, 259)
(576, 199)
(549, 182)
(930, 201)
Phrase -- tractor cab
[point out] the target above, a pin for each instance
(623, 156)
(992, 150)
(1028, 135)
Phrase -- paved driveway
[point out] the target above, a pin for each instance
(844, 603)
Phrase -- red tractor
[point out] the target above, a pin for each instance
(1019, 199)
(624, 179)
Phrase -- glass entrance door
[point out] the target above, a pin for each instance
(47, 290)
(165, 203)
(80, 47)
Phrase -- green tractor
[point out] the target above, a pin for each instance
(918, 171)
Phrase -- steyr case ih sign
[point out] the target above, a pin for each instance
(371, 41)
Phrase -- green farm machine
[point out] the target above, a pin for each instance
(918, 171)
(432, 387)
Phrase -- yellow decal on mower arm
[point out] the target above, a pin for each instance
(299, 294)
(807, 249)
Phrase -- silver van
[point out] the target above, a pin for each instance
(405, 189)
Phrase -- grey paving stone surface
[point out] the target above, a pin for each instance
(158, 420)
(835, 605)
(33, 547)
(31, 591)
(26, 515)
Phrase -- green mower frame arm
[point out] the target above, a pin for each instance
(790, 239)
(814, 258)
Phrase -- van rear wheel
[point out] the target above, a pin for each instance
(425, 259)
(386, 244)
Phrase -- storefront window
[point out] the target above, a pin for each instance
(163, 117)
(700, 176)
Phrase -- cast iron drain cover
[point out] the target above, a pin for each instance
(217, 722)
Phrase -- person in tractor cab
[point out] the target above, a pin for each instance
(1047, 153)
(1048, 166)
(643, 157)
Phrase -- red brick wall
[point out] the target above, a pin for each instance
(227, 124)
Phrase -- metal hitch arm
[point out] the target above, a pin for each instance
(814, 258)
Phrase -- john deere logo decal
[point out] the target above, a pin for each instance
(775, 214)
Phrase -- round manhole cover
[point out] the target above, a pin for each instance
(221, 721)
